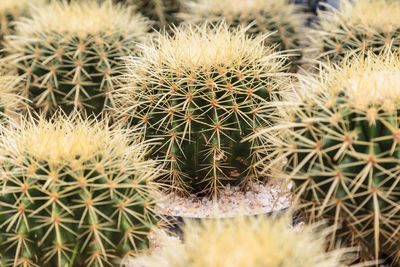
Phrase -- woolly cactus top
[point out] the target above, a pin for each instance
(226, 242)
(370, 16)
(69, 139)
(82, 18)
(366, 82)
(193, 47)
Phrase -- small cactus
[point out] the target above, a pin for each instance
(340, 136)
(74, 192)
(356, 26)
(71, 52)
(249, 242)
(199, 92)
(280, 17)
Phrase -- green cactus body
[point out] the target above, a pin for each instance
(200, 92)
(73, 193)
(71, 52)
(162, 12)
(279, 17)
(342, 150)
(357, 26)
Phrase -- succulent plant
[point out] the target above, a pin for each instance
(74, 192)
(162, 12)
(282, 18)
(199, 92)
(226, 242)
(71, 52)
(356, 26)
(11, 10)
(340, 136)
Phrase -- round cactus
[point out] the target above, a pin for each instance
(74, 192)
(199, 92)
(162, 12)
(280, 17)
(341, 141)
(227, 242)
(70, 53)
(356, 26)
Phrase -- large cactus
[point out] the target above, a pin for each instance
(199, 92)
(341, 141)
(71, 52)
(250, 242)
(280, 17)
(356, 26)
(74, 192)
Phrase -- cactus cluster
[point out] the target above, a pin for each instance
(74, 192)
(247, 242)
(340, 136)
(162, 12)
(71, 51)
(356, 26)
(281, 18)
(199, 92)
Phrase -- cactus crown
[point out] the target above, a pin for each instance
(203, 47)
(341, 143)
(370, 16)
(200, 91)
(81, 18)
(74, 192)
(225, 243)
(357, 26)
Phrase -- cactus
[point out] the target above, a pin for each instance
(162, 12)
(356, 26)
(340, 136)
(71, 52)
(74, 192)
(199, 92)
(11, 10)
(227, 242)
(281, 17)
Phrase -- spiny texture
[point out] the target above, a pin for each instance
(341, 139)
(162, 12)
(73, 193)
(71, 52)
(245, 242)
(11, 101)
(357, 26)
(11, 10)
(199, 92)
(280, 17)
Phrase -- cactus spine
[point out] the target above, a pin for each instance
(74, 192)
(70, 53)
(199, 92)
(357, 26)
(341, 142)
